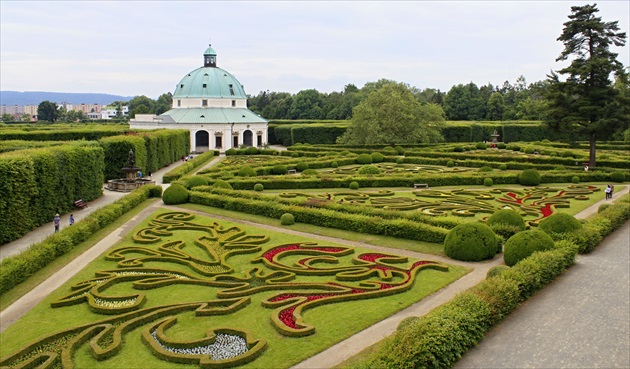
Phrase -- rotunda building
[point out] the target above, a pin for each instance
(211, 103)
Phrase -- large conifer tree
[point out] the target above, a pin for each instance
(586, 102)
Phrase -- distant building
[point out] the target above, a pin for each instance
(210, 103)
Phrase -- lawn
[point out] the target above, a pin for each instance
(296, 296)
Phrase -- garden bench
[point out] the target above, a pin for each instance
(420, 185)
(292, 171)
(80, 204)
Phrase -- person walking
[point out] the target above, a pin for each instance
(608, 192)
(56, 221)
(612, 189)
(71, 219)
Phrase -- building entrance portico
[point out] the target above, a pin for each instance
(202, 141)
(248, 138)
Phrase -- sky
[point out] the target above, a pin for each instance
(132, 48)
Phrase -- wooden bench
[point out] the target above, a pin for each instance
(291, 171)
(80, 204)
(420, 185)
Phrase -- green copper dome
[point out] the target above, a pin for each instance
(210, 82)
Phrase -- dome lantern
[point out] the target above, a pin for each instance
(210, 57)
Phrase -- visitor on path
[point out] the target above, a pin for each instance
(56, 221)
(612, 189)
(608, 192)
(586, 168)
(140, 174)
(71, 219)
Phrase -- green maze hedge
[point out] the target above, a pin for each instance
(38, 183)
(62, 132)
(181, 170)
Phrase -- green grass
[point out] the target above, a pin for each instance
(20, 290)
(334, 322)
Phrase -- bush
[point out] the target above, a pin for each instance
(377, 157)
(287, 219)
(247, 171)
(488, 182)
(231, 151)
(300, 167)
(364, 159)
(529, 177)
(516, 148)
(222, 184)
(334, 164)
(279, 169)
(258, 187)
(309, 172)
(481, 146)
(175, 194)
(369, 170)
(485, 168)
(617, 177)
(195, 181)
(501, 146)
(525, 243)
(450, 163)
(575, 179)
(407, 321)
(400, 150)
(496, 270)
(470, 242)
(503, 167)
(354, 185)
(559, 223)
(458, 149)
(507, 216)
(252, 151)
(400, 160)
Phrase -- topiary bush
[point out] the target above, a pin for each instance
(458, 149)
(247, 171)
(252, 151)
(300, 167)
(617, 177)
(175, 194)
(525, 243)
(529, 177)
(501, 146)
(481, 146)
(354, 185)
(231, 151)
(575, 179)
(506, 223)
(503, 167)
(364, 159)
(485, 168)
(400, 160)
(377, 157)
(309, 172)
(287, 219)
(279, 169)
(195, 181)
(369, 170)
(334, 164)
(496, 270)
(400, 150)
(559, 223)
(488, 182)
(450, 163)
(470, 242)
(222, 184)
(258, 187)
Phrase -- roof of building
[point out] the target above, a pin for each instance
(210, 82)
(211, 116)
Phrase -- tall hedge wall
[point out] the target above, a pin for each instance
(38, 183)
(61, 133)
(117, 149)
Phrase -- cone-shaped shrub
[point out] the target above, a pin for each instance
(470, 242)
(525, 243)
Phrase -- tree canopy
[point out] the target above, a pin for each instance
(47, 110)
(587, 102)
(392, 115)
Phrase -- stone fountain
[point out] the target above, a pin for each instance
(495, 139)
(131, 180)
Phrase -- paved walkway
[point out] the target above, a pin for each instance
(328, 358)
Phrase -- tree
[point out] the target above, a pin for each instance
(140, 105)
(164, 103)
(307, 104)
(587, 102)
(392, 115)
(47, 110)
(494, 109)
(463, 102)
(6, 117)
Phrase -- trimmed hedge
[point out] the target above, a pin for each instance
(16, 269)
(525, 243)
(188, 166)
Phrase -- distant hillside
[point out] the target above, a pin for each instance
(35, 97)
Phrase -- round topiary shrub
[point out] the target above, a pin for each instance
(364, 159)
(252, 151)
(525, 243)
(507, 216)
(287, 219)
(529, 177)
(481, 146)
(529, 150)
(450, 163)
(300, 167)
(389, 151)
(175, 194)
(279, 169)
(400, 150)
(334, 164)
(470, 242)
(575, 179)
(568, 154)
(617, 177)
(222, 184)
(369, 170)
(485, 168)
(516, 148)
(247, 171)
(488, 182)
(354, 185)
(560, 223)
(400, 160)
(195, 181)
(345, 153)
(377, 157)
(407, 321)
(309, 172)
(503, 167)
(496, 270)
(458, 149)
(501, 146)
(258, 187)
(231, 151)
